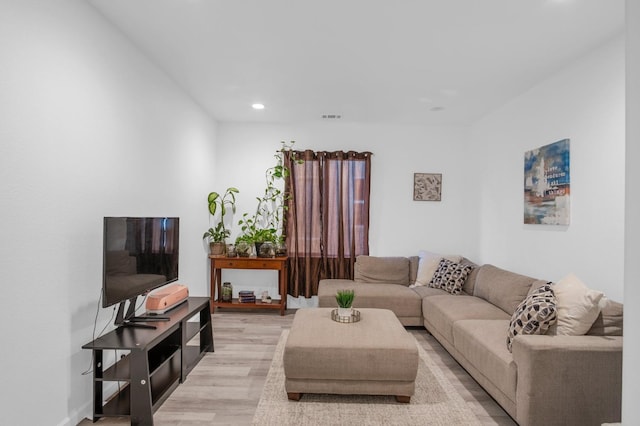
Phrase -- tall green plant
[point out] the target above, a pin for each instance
(222, 204)
(267, 221)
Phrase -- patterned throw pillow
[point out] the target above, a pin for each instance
(534, 314)
(450, 276)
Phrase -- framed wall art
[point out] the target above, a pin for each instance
(427, 186)
(547, 184)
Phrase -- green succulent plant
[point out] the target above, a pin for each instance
(345, 298)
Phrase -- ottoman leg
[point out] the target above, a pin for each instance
(294, 396)
(403, 398)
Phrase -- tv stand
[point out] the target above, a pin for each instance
(158, 360)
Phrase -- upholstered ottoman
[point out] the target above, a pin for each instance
(374, 356)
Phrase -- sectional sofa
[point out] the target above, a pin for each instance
(544, 379)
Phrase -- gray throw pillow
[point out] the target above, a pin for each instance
(534, 314)
(450, 276)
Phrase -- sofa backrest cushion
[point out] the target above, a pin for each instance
(609, 322)
(382, 270)
(470, 282)
(414, 261)
(501, 288)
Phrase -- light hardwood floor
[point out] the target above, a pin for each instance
(225, 387)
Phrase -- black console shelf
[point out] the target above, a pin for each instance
(158, 360)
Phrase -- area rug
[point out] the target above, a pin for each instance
(435, 402)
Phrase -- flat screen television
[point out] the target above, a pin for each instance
(139, 255)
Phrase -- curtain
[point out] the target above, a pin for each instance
(327, 216)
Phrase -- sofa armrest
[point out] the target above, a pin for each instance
(565, 380)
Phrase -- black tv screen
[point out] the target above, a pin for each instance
(140, 254)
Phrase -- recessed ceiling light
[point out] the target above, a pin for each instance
(257, 106)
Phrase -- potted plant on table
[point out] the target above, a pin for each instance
(345, 302)
(217, 237)
(244, 246)
(218, 234)
(264, 228)
(255, 233)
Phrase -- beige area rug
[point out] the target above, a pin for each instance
(435, 402)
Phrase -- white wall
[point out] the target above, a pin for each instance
(585, 103)
(398, 225)
(631, 353)
(89, 128)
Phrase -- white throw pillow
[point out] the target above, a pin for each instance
(428, 265)
(577, 307)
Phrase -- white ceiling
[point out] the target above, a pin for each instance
(366, 60)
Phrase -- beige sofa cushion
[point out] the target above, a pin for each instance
(482, 343)
(609, 321)
(414, 261)
(384, 270)
(424, 291)
(578, 307)
(502, 288)
(442, 312)
(403, 301)
(470, 282)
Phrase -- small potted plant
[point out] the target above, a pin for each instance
(218, 234)
(345, 302)
(217, 238)
(244, 246)
(252, 232)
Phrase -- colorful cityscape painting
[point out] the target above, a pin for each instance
(547, 181)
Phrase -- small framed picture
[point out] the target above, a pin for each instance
(427, 186)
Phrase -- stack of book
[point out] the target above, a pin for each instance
(246, 296)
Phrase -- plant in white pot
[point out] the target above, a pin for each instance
(345, 302)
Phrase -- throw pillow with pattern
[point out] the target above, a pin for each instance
(450, 276)
(534, 315)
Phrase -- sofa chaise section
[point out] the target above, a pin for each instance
(381, 283)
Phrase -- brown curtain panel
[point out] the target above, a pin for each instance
(327, 217)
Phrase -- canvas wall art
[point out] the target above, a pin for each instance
(427, 186)
(547, 181)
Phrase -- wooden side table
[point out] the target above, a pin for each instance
(274, 263)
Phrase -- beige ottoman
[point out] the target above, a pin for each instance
(375, 356)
